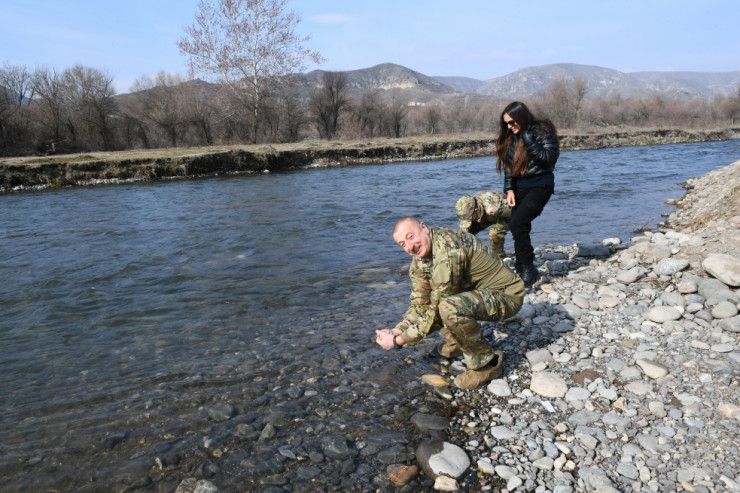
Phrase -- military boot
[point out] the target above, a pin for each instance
(472, 379)
(449, 350)
(530, 275)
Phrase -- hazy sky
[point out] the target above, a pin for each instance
(481, 39)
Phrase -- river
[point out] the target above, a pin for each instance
(223, 328)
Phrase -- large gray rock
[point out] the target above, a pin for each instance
(631, 275)
(439, 458)
(503, 433)
(661, 314)
(537, 356)
(548, 384)
(593, 251)
(670, 266)
(651, 368)
(427, 422)
(573, 311)
(336, 447)
(192, 485)
(708, 287)
(596, 480)
(672, 298)
(526, 311)
(715, 291)
(724, 309)
(563, 326)
(731, 324)
(724, 267)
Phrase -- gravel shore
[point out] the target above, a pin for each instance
(620, 369)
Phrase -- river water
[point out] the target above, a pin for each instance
(223, 328)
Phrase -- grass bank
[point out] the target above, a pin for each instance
(54, 171)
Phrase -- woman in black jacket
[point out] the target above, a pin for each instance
(527, 150)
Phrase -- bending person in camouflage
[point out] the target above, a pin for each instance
(455, 281)
(484, 209)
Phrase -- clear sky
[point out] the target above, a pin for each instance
(481, 39)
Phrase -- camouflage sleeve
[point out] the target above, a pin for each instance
(420, 315)
(448, 268)
(494, 204)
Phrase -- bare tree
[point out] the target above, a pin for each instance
(200, 110)
(88, 105)
(245, 44)
(16, 91)
(556, 102)
(730, 106)
(463, 115)
(294, 114)
(328, 102)
(47, 84)
(432, 118)
(369, 113)
(580, 89)
(160, 102)
(397, 110)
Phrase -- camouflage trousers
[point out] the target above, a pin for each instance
(497, 235)
(460, 313)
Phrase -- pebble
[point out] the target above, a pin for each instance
(401, 474)
(435, 380)
(439, 458)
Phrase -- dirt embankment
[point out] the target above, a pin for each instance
(145, 165)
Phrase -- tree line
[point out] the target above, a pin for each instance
(46, 111)
(249, 51)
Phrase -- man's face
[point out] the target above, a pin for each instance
(414, 238)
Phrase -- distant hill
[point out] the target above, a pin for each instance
(602, 82)
(691, 83)
(383, 77)
(462, 84)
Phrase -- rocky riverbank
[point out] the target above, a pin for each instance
(620, 372)
(158, 164)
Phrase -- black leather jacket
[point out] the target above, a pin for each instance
(543, 150)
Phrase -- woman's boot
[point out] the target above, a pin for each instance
(530, 275)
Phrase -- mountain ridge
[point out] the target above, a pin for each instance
(602, 82)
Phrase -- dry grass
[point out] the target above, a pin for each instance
(306, 145)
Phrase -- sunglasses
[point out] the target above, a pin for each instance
(510, 123)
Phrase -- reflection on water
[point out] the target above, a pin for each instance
(129, 310)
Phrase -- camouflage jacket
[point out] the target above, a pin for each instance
(460, 262)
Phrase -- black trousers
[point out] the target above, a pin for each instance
(529, 204)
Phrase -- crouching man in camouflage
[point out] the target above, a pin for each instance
(489, 208)
(455, 281)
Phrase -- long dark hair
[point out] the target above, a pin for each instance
(524, 118)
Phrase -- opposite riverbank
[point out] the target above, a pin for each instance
(620, 372)
(56, 171)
